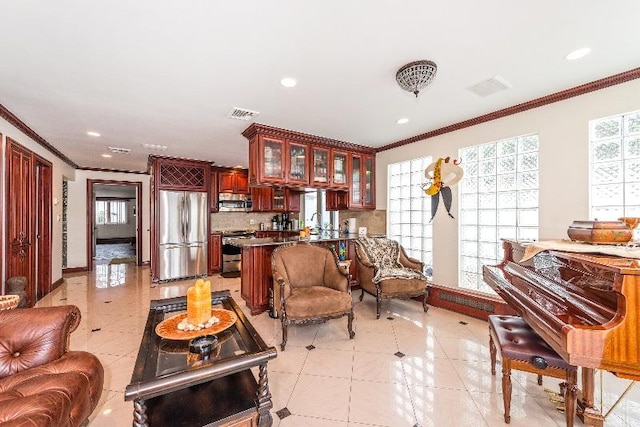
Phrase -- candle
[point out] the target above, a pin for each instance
(199, 302)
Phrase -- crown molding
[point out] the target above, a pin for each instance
(606, 82)
(15, 121)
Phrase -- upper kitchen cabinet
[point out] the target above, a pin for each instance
(280, 157)
(369, 183)
(213, 192)
(362, 184)
(180, 174)
(233, 181)
(320, 173)
(297, 161)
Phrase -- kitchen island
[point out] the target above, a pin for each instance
(257, 280)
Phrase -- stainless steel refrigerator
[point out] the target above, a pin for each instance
(183, 235)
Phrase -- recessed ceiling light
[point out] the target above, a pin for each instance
(92, 133)
(402, 121)
(107, 156)
(239, 167)
(288, 82)
(577, 54)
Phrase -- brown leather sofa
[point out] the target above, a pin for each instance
(42, 383)
(386, 271)
(309, 287)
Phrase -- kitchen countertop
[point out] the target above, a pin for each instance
(270, 241)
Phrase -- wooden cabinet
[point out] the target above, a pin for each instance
(275, 199)
(180, 174)
(362, 184)
(297, 163)
(213, 192)
(215, 252)
(233, 181)
(320, 173)
(280, 157)
(337, 200)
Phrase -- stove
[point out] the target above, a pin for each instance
(231, 254)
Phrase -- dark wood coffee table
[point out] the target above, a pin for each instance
(223, 391)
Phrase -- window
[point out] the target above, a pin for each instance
(409, 210)
(111, 212)
(315, 212)
(498, 200)
(615, 166)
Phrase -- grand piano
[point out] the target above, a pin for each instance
(585, 306)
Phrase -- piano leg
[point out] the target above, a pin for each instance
(570, 396)
(586, 412)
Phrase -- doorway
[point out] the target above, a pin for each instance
(114, 222)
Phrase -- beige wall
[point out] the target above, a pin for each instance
(61, 171)
(564, 163)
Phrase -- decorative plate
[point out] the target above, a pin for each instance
(168, 328)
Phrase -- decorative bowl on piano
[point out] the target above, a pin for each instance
(600, 232)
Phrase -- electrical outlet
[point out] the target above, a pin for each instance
(252, 221)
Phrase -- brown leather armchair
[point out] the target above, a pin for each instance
(309, 287)
(42, 383)
(386, 271)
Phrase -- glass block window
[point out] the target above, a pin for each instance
(615, 166)
(498, 200)
(409, 210)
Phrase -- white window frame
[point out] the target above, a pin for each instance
(115, 212)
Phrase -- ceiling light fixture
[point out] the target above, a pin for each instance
(92, 133)
(402, 121)
(416, 76)
(107, 156)
(577, 54)
(288, 82)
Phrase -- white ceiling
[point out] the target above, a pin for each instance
(168, 72)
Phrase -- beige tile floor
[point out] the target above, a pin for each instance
(443, 379)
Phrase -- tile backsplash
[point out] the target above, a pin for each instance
(240, 220)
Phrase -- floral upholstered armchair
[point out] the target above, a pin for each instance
(309, 287)
(386, 271)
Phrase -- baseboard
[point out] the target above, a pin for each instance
(467, 302)
(57, 283)
(114, 240)
(74, 270)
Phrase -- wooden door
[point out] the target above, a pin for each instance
(43, 227)
(20, 216)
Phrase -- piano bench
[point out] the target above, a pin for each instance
(521, 348)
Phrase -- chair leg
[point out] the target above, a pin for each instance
(362, 294)
(378, 300)
(506, 388)
(284, 334)
(350, 324)
(492, 352)
(424, 301)
(539, 379)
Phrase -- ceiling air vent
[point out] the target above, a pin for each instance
(242, 114)
(117, 150)
(490, 86)
(154, 147)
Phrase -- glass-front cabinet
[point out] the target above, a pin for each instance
(368, 181)
(272, 153)
(298, 163)
(339, 177)
(355, 190)
(320, 166)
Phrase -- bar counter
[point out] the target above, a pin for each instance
(257, 280)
